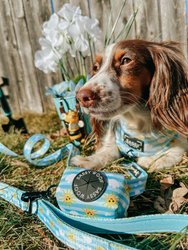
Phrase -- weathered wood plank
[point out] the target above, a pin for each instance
(126, 13)
(173, 21)
(35, 16)
(10, 57)
(21, 26)
(31, 98)
(147, 23)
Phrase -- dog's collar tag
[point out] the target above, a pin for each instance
(134, 143)
(89, 185)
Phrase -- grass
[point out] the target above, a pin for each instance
(19, 230)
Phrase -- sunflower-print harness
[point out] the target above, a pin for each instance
(138, 145)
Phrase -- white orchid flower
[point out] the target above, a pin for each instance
(44, 43)
(48, 46)
(74, 30)
(70, 28)
(63, 25)
(81, 44)
(90, 26)
(66, 32)
(69, 12)
(51, 25)
(46, 61)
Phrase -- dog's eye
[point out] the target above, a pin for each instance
(96, 67)
(125, 60)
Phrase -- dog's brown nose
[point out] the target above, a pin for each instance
(86, 97)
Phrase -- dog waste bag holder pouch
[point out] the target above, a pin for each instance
(99, 194)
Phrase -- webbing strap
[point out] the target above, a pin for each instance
(71, 229)
(57, 223)
(35, 158)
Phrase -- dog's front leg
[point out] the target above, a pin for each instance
(167, 159)
(105, 154)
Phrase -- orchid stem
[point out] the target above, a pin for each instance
(83, 69)
(79, 62)
(76, 65)
(63, 70)
(69, 65)
(90, 48)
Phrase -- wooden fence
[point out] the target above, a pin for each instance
(21, 26)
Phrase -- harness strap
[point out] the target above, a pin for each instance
(132, 144)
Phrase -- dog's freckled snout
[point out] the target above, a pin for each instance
(86, 97)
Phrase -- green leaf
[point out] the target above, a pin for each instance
(78, 78)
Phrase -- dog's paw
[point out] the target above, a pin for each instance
(88, 162)
(166, 161)
(156, 163)
(145, 162)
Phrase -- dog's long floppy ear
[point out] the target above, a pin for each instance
(98, 129)
(168, 98)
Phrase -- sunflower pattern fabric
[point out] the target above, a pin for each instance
(113, 203)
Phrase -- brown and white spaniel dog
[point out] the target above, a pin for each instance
(144, 86)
